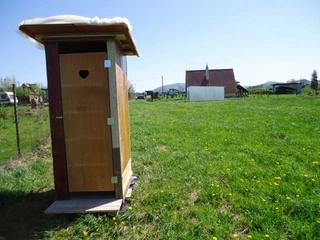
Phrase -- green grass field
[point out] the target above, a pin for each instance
(33, 127)
(242, 168)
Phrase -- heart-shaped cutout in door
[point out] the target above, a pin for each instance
(84, 73)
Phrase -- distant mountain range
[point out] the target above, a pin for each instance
(178, 86)
(181, 86)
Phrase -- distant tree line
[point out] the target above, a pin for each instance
(23, 93)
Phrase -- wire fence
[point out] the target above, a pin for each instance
(22, 129)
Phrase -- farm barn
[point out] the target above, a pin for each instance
(214, 79)
(287, 88)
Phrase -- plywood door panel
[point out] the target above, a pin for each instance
(85, 113)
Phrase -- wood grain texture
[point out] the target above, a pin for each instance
(56, 122)
(86, 111)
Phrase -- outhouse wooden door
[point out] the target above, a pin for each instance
(86, 109)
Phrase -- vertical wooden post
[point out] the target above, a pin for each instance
(16, 119)
(111, 53)
(56, 121)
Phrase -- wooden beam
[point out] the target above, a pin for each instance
(111, 53)
(56, 122)
(118, 35)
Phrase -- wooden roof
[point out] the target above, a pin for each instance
(217, 77)
(66, 31)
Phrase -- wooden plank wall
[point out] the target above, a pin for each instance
(119, 111)
(123, 108)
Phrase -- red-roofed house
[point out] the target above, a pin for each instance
(214, 78)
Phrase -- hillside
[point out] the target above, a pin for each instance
(179, 86)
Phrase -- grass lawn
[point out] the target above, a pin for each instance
(33, 127)
(244, 168)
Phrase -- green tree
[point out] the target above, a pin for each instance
(6, 83)
(292, 80)
(22, 92)
(314, 80)
(130, 88)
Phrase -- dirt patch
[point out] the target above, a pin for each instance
(193, 198)
(241, 231)
(162, 148)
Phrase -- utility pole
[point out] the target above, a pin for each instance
(162, 83)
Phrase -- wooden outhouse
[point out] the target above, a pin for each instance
(88, 105)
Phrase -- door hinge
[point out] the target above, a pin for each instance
(110, 121)
(114, 179)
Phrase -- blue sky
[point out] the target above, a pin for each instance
(262, 40)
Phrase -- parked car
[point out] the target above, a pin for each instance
(140, 96)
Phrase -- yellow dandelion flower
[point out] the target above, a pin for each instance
(315, 162)
(313, 180)
(288, 198)
(266, 235)
(306, 175)
(123, 223)
(114, 218)
(249, 236)
(85, 233)
(318, 221)
(169, 186)
(164, 205)
(235, 235)
(278, 178)
(130, 208)
(214, 238)
(297, 195)
(213, 194)
(263, 200)
(228, 169)
(277, 208)
(230, 194)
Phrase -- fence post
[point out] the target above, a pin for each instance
(16, 118)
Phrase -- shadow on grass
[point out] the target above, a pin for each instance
(22, 215)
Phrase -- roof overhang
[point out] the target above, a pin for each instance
(43, 32)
